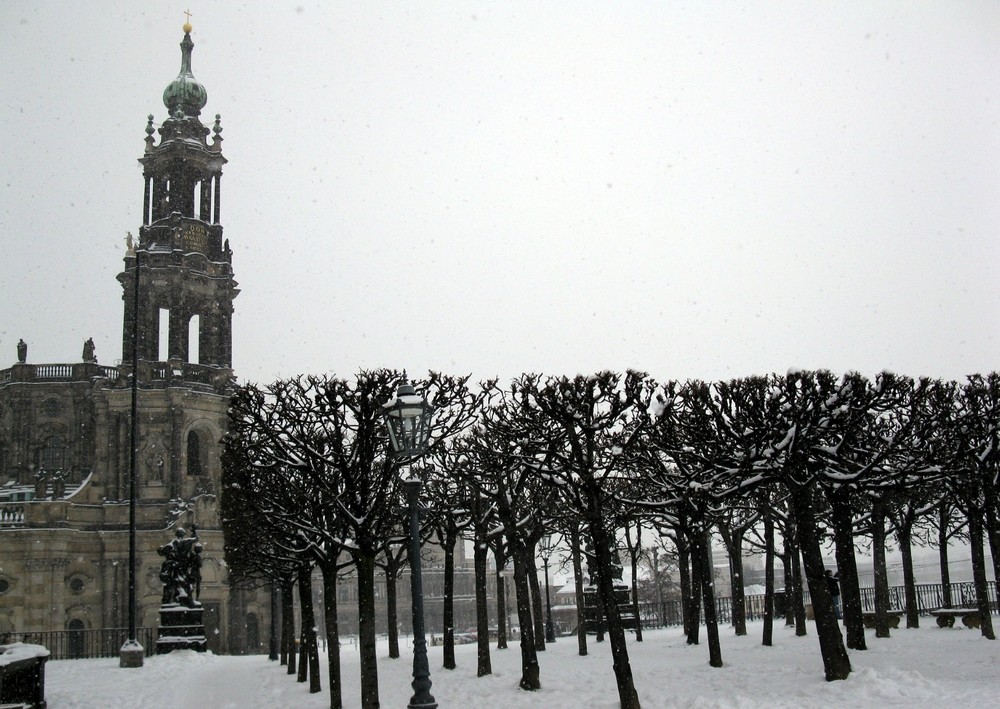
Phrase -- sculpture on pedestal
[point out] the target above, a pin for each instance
(181, 569)
(182, 620)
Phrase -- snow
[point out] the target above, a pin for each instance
(15, 652)
(925, 667)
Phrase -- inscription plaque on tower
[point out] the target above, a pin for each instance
(195, 238)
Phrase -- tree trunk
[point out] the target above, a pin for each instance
(701, 550)
(272, 644)
(768, 634)
(483, 664)
(847, 570)
(581, 628)
(365, 563)
(993, 533)
(501, 587)
(391, 603)
(979, 573)
(944, 519)
(288, 650)
(603, 542)
(693, 615)
(537, 613)
(449, 599)
(635, 599)
(903, 536)
(796, 599)
(309, 659)
(836, 663)
(881, 571)
(690, 590)
(530, 677)
(786, 574)
(329, 571)
(739, 607)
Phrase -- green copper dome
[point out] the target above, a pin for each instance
(185, 93)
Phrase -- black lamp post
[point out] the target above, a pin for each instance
(408, 419)
(546, 547)
(131, 653)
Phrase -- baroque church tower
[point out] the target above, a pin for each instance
(65, 429)
(179, 319)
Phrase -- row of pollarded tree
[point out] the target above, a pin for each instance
(309, 481)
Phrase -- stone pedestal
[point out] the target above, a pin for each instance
(181, 628)
(131, 654)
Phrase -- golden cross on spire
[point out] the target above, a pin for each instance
(187, 25)
(187, 15)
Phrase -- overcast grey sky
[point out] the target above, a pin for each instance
(696, 190)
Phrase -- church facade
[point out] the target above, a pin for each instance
(66, 429)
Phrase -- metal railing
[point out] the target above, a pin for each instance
(78, 644)
(930, 596)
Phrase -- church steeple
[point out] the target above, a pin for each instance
(185, 94)
(184, 264)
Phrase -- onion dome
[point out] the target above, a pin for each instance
(184, 93)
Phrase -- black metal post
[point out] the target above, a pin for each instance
(131, 460)
(132, 652)
(422, 698)
(550, 630)
(272, 643)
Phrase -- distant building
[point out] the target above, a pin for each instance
(65, 428)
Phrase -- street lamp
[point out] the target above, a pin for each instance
(131, 653)
(408, 419)
(546, 547)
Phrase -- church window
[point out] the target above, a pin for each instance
(53, 454)
(4, 586)
(76, 584)
(52, 407)
(194, 333)
(194, 466)
(163, 351)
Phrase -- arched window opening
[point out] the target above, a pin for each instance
(196, 201)
(194, 462)
(194, 339)
(53, 454)
(163, 349)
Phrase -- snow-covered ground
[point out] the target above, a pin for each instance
(929, 667)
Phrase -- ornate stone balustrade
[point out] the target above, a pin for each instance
(77, 372)
(11, 515)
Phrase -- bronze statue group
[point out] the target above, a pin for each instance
(181, 569)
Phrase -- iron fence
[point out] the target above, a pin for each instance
(929, 597)
(77, 644)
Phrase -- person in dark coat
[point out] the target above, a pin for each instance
(833, 584)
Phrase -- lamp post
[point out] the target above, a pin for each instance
(408, 419)
(546, 547)
(132, 652)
